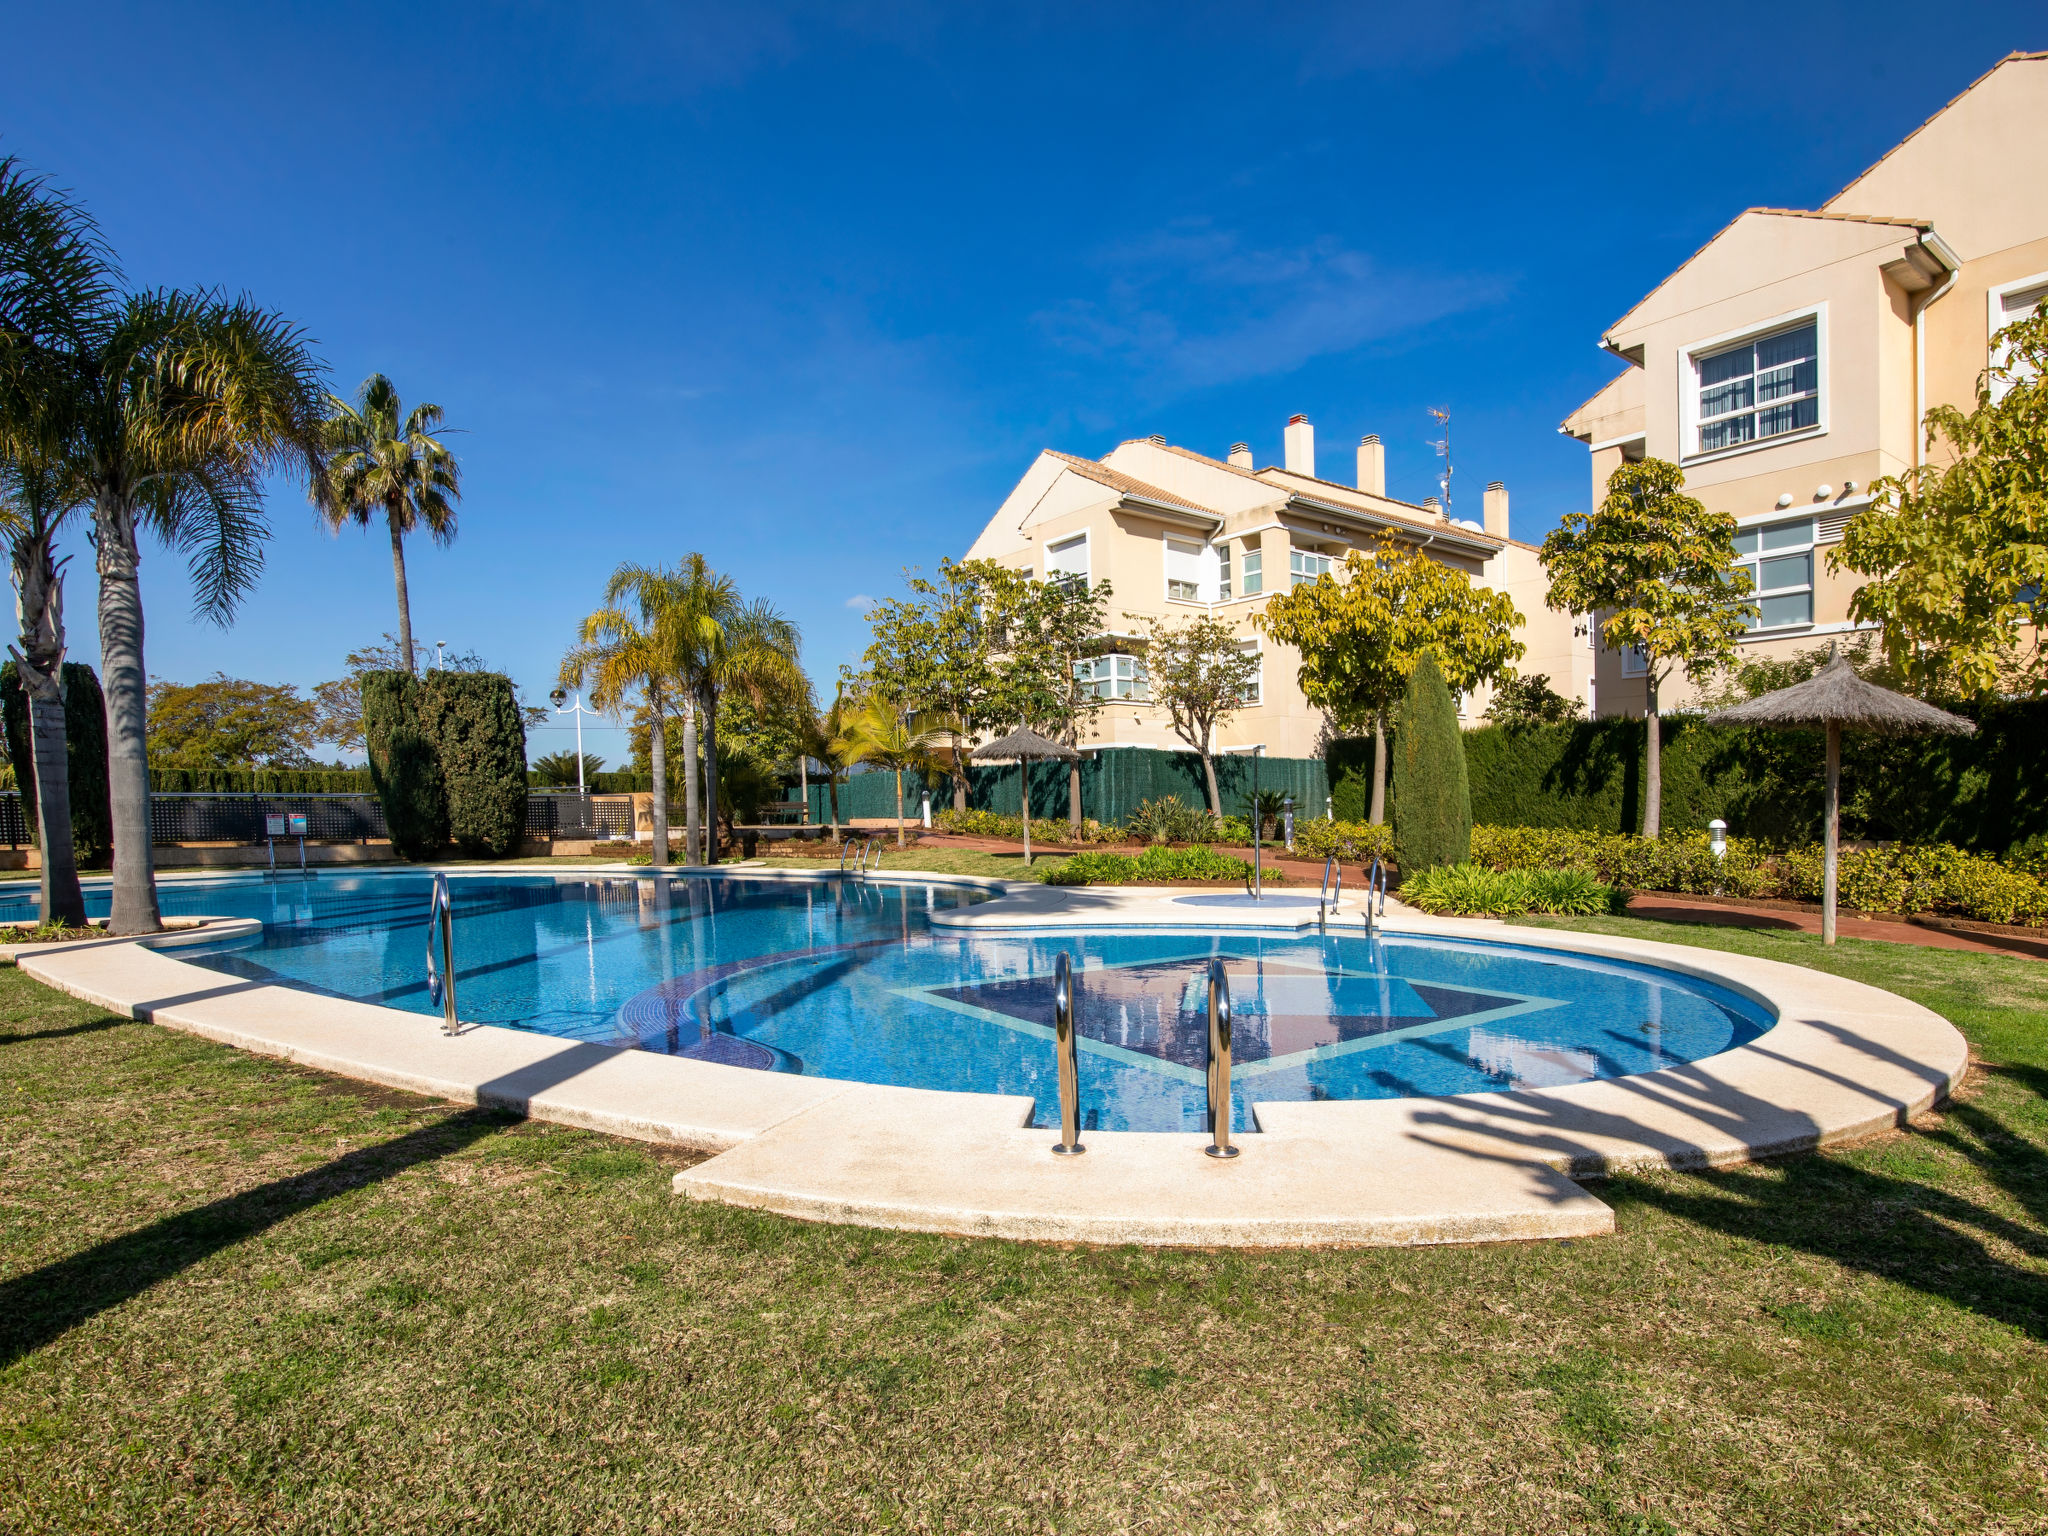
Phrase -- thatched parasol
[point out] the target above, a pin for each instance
(1020, 747)
(1836, 698)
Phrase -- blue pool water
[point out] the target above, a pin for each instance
(851, 981)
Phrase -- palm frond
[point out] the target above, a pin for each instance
(214, 516)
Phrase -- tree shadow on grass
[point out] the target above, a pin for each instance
(1910, 1231)
(40, 1307)
(90, 1027)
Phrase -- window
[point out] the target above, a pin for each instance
(1254, 572)
(1068, 560)
(1305, 565)
(1254, 690)
(1759, 389)
(1222, 573)
(1779, 559)
(2012, 303)
(1112, 677)
(1635, 662)
(1183, 571)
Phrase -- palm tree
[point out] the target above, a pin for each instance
(385, 460)
(754, 654)
(635, 645)
(818, 740)
(175, 407)
(35, 499)
(882, 732)
(57, 283)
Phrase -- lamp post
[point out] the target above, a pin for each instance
(1287, 820)
(558, 698)
(440, 653)
(1717, 837)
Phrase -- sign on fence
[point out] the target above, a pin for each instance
(273, 826)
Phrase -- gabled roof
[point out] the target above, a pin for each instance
(2015, 57)
(1919, 226)
(1118, 481)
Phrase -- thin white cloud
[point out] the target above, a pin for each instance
(860, 602)
(1194, 306)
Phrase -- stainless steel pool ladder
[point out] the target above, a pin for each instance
(1376, 880)
(441, 976)
(1067, 1049)
(1330, 895)
(1219, 1063)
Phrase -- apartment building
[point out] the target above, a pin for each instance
(1790, 361)
(1177, 532)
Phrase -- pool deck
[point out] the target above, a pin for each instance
(1845, 1060)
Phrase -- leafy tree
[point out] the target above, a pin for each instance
(1200, 673)
(339, 702)
(936, 651)
(1954, 553)
(1049, 628)
(882, 732)
(1530, 701)
(750, 652)
(230, 722)
(1359, 636)
(90, 839)
(559, 768)
(384, 460)
(1661, 567)
(1432, 796)
(471, 720)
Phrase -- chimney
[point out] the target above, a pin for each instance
(1157, 437)
(1241, 455)
(1372, 465)
(1301, 446)
(1432, 506)
(1497, 509)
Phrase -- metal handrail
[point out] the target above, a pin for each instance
(875, 848)
(441, 978)
(1066, 1048)
(845, 847)
(1219, 1113)
(1376, 880)
(1327, 899)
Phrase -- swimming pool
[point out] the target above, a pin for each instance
(851, 980)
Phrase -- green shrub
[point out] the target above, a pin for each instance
(1360, 841)
(1570, 892)
(85, 746)
(1473, 890)
(403, 768)
(1157, 863)
(1432, 803)
(472, 721)
(1170, 819)
(1044, 829)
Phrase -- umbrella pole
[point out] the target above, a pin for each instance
(1834, 814)
(1024, 777)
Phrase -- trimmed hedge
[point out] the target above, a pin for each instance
(1359, 841)
(1432, 806)
(262, 781)
(1473, 890)
(1044, 830)
(471, 722)
(1903, 877)
(403, 768)
(1155, 863)
(85, 745)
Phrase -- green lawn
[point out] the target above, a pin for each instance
(235, 1295)
(937, 861)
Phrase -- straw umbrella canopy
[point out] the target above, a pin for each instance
(1020, 747)
(1837, 699)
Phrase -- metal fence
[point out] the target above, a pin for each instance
(570, 815)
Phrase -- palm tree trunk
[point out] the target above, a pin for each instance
(711, 776)
(657, 759)
(40, 663)
(693, 826)
(803, 787)
(404, 599)
(1379, 769)
(1074, 793)
(899, 808)
(1653, 765)
(1830, 869)
(832, 788)
(126, 684)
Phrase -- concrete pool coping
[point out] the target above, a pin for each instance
(1844, 1060)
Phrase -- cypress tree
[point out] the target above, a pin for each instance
(471, 720)
(1432, 799)
(85, 743)
(403, 767)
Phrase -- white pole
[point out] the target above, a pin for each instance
(579, 744)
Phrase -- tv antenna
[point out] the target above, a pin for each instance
(1443, 447)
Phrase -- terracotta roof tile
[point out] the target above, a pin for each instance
(1117, 480)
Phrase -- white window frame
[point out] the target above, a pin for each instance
(1167, 552)
(1251, 554)
(1255, 696)
(1138, 689)
(1297, 552)
(1087, 572)
(1635, 661)
(1754, 565)
(1691, 354)
(1996, 319)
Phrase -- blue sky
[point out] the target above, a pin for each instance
(805, 287)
